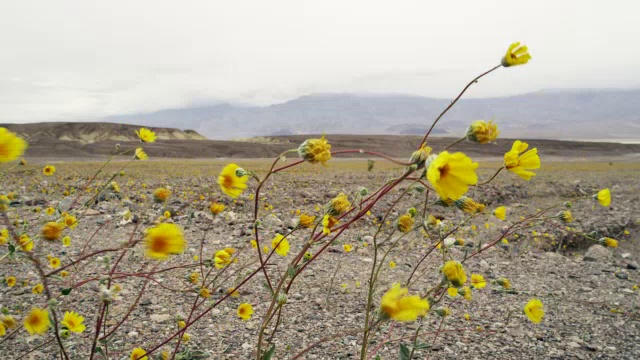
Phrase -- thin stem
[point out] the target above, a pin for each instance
(424, 140)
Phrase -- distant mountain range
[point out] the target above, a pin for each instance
(612, 115)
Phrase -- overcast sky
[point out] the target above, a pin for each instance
(66, 60)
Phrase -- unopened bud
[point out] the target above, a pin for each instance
(363, 191)
(64, 334)
(412, 211)
(567, 204)
(282, 299)
(240, 172)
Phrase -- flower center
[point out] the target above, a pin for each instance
(228, 181)
(160, 244)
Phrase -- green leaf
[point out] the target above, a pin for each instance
(12, 249)
(99, 350)
(404, 352)
(291, 271)
(269, 353)
(66, 291)
(422, 346)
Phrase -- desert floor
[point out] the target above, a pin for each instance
(591, 306)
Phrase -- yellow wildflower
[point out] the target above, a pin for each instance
(11, 281)
(609, 242)
(516, 55)
(162, 240)
(50, 211)
(420, 156)
(37, 322)
(137, 354)
(604, 197)
(452, 291)
(205, 293)
(26, 244)
(465, 291)
(245, 311)
(193, 277)
(222, 258)
(347, 248)
(504, 282)
(216, 208)
(534, 310)
(482, 132)
(229, 181)
(11, 145)
(161, 194)
(66, 241)
(468, 205)
(405, 223)
(73, 322)
(7, 321)
(478, 281)
(454, 272)
(500, 212)
(52, 231)
(140, 154)
(315, 150)
(306, 221)
(70, 221)
(54, 262)
(520, 162)
(37, 289)
(392, 264)
(146, 135)
(280, 244)
(451, 174)
(233, 292)
(328, 222)
(565, 216)
(397, 305)
(49, 170)
(338, 205)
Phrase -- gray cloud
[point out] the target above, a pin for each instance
(68, 60)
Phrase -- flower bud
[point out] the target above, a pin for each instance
(307, 256)
(240, 172)
(567, 204)
(64, 334)
(53, 303)
(282, 299)
(363, 191)
(412, 211)
(445, 311)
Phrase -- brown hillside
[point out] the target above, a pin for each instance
(52, 141)
(92, 132)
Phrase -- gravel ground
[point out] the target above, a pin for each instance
(591, 306)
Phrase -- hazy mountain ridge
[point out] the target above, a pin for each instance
(554, 114)
(93, 132)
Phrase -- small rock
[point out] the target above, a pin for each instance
(160, 318)
(632, 265)
(231, 218)
(622, 275)
(599, 253)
